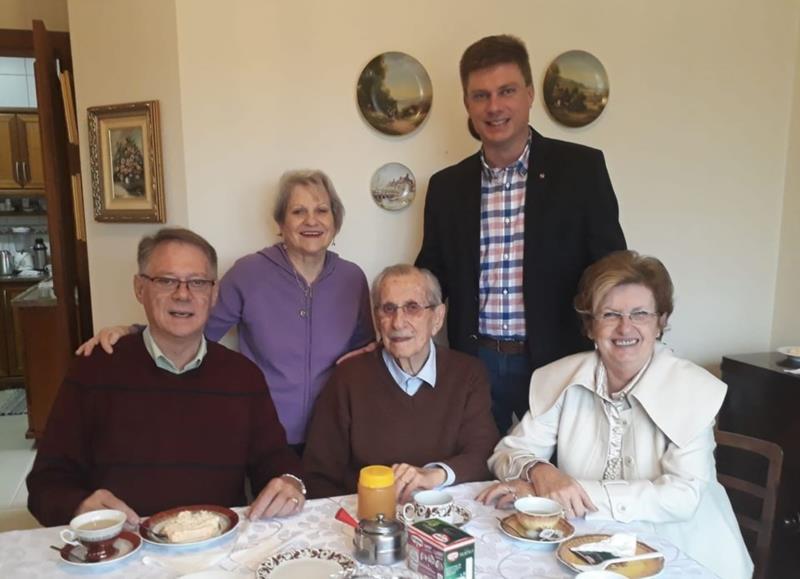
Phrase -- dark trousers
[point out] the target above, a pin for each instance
(510, 377)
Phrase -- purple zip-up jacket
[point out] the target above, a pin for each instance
(292, 332)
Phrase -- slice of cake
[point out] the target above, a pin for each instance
(191, 526)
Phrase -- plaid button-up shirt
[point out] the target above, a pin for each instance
(502, 310)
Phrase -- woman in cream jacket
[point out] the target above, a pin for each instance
(632, 424)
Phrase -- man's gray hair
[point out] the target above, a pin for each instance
(433, 291)
(308, 177)
(149, 243)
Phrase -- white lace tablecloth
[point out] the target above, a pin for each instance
(26, 554)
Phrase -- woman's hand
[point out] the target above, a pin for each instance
(281, 497)
(106, 337)
(368, 348)
(409, 478)
(505, 493)
(550, 482)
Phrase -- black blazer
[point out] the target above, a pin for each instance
(571, 220)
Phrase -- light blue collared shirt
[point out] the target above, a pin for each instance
(165, 363)
(411, 385)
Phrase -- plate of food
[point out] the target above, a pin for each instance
(631, 569)
(791, 352)
(308, 563)
(188, 526)
(561, 531)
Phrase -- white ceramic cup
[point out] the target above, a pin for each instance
(429, 505)
(538, 512)
(95, 530)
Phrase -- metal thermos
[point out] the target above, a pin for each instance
(6, 263)
(39, 254)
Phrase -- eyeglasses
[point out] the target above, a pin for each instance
(410, 309)
(637, 317)
(172, 284)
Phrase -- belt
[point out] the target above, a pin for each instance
(503, 346)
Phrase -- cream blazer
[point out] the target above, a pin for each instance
(668, 446)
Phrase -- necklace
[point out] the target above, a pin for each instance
(305, 310)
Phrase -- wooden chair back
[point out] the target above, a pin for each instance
(754, 522)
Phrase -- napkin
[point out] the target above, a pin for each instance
(616, 546)
(795, 371)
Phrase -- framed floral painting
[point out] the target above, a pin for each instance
(125, 159)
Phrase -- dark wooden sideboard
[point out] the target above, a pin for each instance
(764, 401)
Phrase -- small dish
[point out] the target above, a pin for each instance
(150, 529)
(461, 515)
(308, 563)
(126, 544)
(630, 569)
(511, 527)
(791, 352)
(393, 186)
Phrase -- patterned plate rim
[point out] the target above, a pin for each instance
(581, 539)
(266, 568)
(517, 537)
(460, 510)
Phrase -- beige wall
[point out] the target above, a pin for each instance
(122, 52)
(695, 132)
(786, 327)
(19, 14)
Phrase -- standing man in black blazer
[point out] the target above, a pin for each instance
(509, 230)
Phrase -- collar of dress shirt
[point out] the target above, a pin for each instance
(520, 165)
(165, 363)
(408, 383)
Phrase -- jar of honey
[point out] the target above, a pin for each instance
(376, 492)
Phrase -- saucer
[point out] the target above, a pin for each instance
(126, 544)
(511, 527)
(791, 352)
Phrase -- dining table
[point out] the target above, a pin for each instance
(27, 554)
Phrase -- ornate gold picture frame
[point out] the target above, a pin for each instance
(126, 166)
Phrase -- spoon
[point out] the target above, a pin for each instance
(644, 556)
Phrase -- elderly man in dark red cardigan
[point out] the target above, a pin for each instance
(169, 419)
(422, 408)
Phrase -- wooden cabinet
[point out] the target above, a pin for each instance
(47, 354)
(763, 401)
(12, 366)
(21, 165)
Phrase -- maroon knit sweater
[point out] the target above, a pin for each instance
(157, 440)
(362, 417)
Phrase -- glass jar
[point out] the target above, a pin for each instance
(376, 493)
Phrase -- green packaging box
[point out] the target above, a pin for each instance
(441, 551)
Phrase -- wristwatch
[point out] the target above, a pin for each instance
(299, 481)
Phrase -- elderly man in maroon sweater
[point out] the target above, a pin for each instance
(422, 408)
(170, 419)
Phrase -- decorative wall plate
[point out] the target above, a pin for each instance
(393, 186)
(575, 88)
(394, 93)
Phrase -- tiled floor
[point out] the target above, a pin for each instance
(16, 458)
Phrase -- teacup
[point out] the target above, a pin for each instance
(429, 505)
(97, 531)
(538, 512)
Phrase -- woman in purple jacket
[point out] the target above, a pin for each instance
(298, 307)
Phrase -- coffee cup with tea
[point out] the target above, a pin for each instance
(97, 531)
(429, 505)
(535, 513)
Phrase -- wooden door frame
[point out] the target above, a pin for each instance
(20, 43)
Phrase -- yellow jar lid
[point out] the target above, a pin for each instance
(376, 476)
